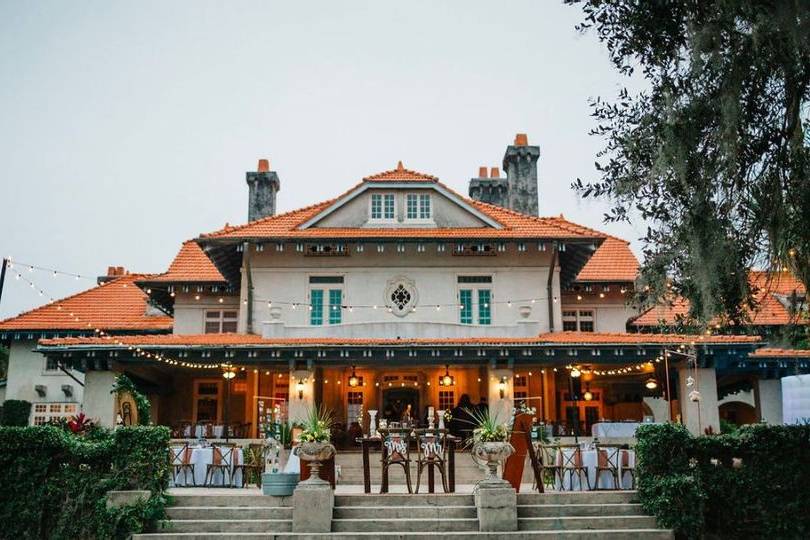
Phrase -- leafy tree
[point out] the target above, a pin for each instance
(715, 153)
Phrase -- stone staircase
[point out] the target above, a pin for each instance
(395, 516)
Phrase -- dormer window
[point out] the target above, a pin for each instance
(417, 206)
(382, 206)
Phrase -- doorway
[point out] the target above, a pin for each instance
(396, 401)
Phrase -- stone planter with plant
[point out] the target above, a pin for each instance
(490, 444)
(315, 447)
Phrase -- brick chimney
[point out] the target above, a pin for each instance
(262, 188)
(488, 187)
(520, 164)
(112, 273)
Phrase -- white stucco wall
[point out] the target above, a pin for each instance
(26, 370)
(189, 314)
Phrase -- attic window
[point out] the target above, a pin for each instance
(382, 206)
(417, 207)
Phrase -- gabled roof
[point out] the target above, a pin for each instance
(400, 174)
(115, 305)
(508, 223)
(770, 311)
(612, 261)
(190, 265)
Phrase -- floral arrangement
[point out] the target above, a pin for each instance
(317, 426)
(448, 415)
(488, 429)
(522, 408)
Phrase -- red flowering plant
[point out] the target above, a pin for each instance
(81, 424)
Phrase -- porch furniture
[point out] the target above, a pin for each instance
(550, 470)
(607, 463)
(431, 453)
(396, 450)
(570, 460)
(366, 444)
(253, 464)
(590, 461)
(627, 464)
(626, 430)
(180, 459)
(201, 457)
(224, 459)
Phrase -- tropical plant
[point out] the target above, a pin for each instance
(317, 425)
(487, 426)
(80, 424)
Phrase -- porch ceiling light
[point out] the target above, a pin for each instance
(229, 373)
(300, 387)
(575, 372)
(651, 383)
(353, 380)
(446, 379)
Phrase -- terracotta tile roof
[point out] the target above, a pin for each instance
(400, 174)
(191, 265)
(235, 340)
(769, 311)
(612, 261)
(515, 225)
(116, 305)
(767, 352)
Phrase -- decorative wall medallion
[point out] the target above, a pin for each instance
(401, 296)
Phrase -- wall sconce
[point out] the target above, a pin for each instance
(353, 380)
(502, 387)
(587, 396)
(300, 387)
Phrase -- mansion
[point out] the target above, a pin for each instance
(396, 295)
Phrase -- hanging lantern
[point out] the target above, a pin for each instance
(587, 396)
(575, 372)
(446, 379)
(353, 379)
(651, 383)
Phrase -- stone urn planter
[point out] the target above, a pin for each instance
(315, 453)
(492, 454)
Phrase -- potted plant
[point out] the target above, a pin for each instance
(490, 443)
(315, 447)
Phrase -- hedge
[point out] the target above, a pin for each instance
(54, 482)
(15, 412)
(754, 483)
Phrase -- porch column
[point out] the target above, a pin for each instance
(299, 407)
(768, 394)
(697, 416)
(99, 402)
(501, 408)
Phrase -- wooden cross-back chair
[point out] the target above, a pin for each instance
(550, 464)
(225, 457)
(570, 458)
(396, 450)
(607, 462)
(625, 467)
(180, 460)
(252, 464)
(431, 453)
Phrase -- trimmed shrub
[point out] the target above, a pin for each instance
(751, 484)
(15, 412)
(54, 483)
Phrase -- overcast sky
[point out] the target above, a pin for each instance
(127, 127)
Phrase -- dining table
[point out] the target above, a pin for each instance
(201, 457)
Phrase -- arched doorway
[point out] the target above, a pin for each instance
(396, 400)
(738, 413)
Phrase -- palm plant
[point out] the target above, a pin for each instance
(488, 428)
(318, 424)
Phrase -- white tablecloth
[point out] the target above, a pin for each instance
(614, 429)
(201, 458)
(576, 482)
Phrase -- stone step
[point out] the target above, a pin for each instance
(405, 525)
(585, 522)
(626, 534)
(566, 510)
(228, 525)
(235, 500)
(229, 512)
(392, 512)
(396, 499)
(577, 497)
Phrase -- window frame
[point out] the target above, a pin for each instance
(326, 286)
(221, 320)
(478, 312)
(422, 208)
(383, 207)
(579, 316)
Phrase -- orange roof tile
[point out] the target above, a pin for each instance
(769, 310)
(235, 340)
(767, 352)
(191, 265)
(116, 305)
(612, 261)
(400, 174)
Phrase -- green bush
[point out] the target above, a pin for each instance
(15, 412)
(54, 483)
(750, 484)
